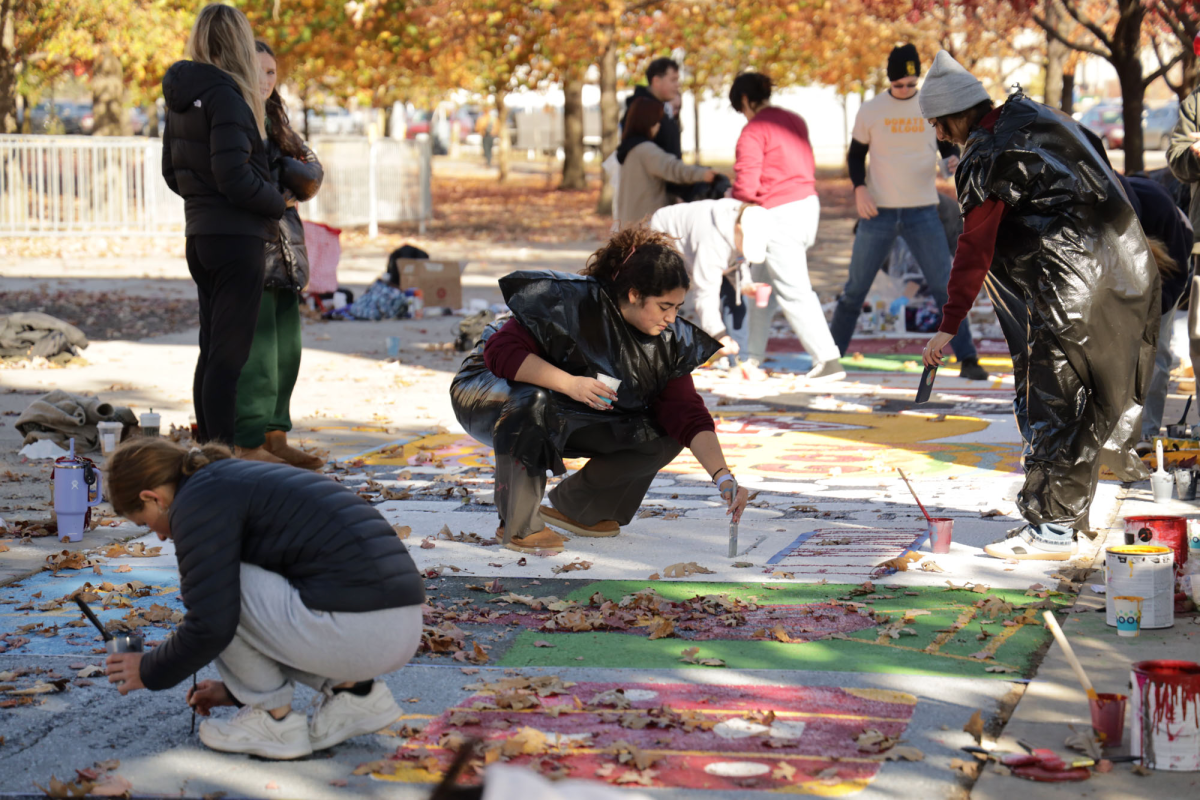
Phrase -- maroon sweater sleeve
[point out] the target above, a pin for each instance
(972, 260)
(506, 349)
(681, 411)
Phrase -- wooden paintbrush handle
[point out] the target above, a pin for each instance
(1052, 624)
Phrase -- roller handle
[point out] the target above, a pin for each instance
(1052, 624)
(87, 612)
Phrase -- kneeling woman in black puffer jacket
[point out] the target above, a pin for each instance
(534, 389)
(287, 577)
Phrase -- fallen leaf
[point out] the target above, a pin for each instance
(974, 726)
(543, 643)
(402, 531)
(968, 768)
(684, 569)
(573, 566)
(872, 741)
(998, 668)
(1103, 766)
(339, 782)
(784, 772)
(900, 563)
(903, 752)
(1138, 769)
(427, 544)
(930, 566)
(112, 786)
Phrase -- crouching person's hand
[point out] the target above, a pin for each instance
(207, 695)
(123, 669)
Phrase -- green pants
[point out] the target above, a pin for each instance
(264, 390)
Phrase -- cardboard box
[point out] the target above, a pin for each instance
(439, 281)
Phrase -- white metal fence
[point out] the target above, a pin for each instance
(84, 186)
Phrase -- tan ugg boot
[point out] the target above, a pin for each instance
(259, 453)
(277, 445)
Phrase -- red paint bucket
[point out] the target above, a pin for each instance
(1165, 531)
(941, 531)
(1108, 718)
(1166, 715)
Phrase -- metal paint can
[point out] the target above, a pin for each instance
(1166, 715)
(1164, 530)
(1146, 571)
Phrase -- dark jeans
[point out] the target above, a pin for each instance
(926, 237)
(228, 271)
(264, 394)
(611, 486)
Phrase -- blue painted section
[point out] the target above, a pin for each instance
(787, 551)
(164, 582)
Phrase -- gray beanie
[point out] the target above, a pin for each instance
(949, 89)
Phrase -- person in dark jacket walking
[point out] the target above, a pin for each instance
(662, 85)
(264, 391)
(287, 577)
(215, 158)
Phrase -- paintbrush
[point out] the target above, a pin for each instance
(87, 612)
(914, 494)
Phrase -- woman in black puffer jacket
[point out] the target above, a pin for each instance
(215, 158)
(265, 389)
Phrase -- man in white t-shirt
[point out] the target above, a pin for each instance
(896, 195)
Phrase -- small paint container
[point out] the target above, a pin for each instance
(941, 532)
(1108, 718)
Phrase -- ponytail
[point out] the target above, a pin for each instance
(638, 259)
(147, 463)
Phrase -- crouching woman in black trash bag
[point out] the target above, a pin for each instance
(1075, 288)
(287, 577)
(532, 390)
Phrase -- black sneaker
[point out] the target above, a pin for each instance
(971, 370)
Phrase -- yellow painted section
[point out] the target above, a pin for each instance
(882, 696)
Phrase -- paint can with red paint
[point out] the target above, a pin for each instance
(1166, 715)
(1165, 531)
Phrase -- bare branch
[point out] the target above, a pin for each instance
(1052, 30)
(1095, 29)
(1161, 71)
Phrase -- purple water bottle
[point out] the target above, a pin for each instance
(76, 490)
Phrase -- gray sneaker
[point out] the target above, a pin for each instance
(825, 371)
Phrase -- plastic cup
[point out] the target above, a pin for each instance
(150, 423)
(762, 295)
(1129, 614)
(1108, 718)
(941, 531)
(393, 346)
(110, 436)
(609, 381)
(1161, 484)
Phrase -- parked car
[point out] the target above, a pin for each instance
(418, 122)
(1106, 122)
(66, 117)
(332, 121)
(1157, 124)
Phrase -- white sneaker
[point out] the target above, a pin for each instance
(825, 371)
(1048, 542)
(342, 715)
(255, 732)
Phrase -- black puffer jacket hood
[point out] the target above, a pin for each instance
(213, 156)
(337, 551)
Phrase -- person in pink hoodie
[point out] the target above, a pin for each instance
(775, 169)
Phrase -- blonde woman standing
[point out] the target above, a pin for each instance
(214, 156)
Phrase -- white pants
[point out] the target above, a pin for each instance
(280, 641)
(793, 230)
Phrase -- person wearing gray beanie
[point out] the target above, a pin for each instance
(1074, 286)
(949, 88)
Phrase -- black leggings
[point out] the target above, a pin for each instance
(228, 271)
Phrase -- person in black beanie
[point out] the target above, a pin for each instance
(897, 196)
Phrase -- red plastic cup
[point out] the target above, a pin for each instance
(762, 295)
(1108, 718)
(941, 531)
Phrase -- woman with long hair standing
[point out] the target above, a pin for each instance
(214, 156)
(264, 391)
(646, 168)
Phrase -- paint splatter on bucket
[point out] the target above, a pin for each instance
(1145, 571)
(1166, 715)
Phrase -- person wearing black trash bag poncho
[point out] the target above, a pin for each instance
(1075, 288)
(531, 389)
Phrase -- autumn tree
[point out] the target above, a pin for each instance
(1173, 26)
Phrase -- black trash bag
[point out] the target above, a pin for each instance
(1076, 291)
(704, 190)
(579, 330)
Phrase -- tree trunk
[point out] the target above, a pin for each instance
(108, 96)
(152, 120)
(1056, 57)
(697, 93)
(1068, 92)
(8, 69)
(610, 119)
(1129, 74)
(304, 111)
(573, 176)
(504, 153)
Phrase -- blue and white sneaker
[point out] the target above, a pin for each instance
(1045, 542)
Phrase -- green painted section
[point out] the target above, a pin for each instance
(860, 652)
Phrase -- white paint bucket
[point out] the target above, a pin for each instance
(1166, 715)
(1146, 571)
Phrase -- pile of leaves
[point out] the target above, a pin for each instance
(108, 315)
